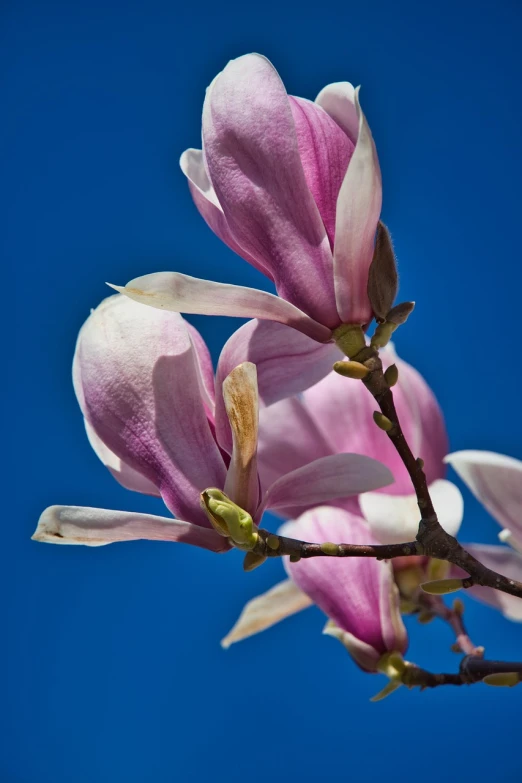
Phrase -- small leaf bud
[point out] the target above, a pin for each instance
(382, 421)
(505, 679)
(391, 375)
(253, 560)
(354, 370)
(442, 586)
(399, 314)
(329, 549)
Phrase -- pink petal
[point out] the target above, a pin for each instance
(325, 152)
(336, 476)
(253, 161)
(184, 294)
(287, 362)
(335, 416)
(504, 561)
(193, 167)
(123, 473)
(338, 100)
(206, 370)
(241, 403)
(281, 601)
(358, 211)
(98, 526)
(496, 480)
(358, 594)
(138, 381)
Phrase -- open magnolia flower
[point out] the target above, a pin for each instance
(336, 414)
(496, 480)
(145, 385)
(292, 186)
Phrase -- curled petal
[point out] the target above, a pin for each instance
(99, 526)
(325, 152)
(358, 210)
(184, 294)
(254, 165)
(336, 476)
(496, 480)
(357, 593)
(504, 561)
(193, 167)
(281, 601)
(287, 362)
(138, 380)
(241, 403)
(338, 100)
(395, 518)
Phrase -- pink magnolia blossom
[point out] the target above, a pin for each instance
(145, 385)
(292, 186)
(496, 480)
(336, 414)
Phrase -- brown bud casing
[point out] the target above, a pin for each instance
(383, 281)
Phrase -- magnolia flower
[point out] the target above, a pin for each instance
(292, 186)
(145, 385)
(337, 414)
(496, 480)
(357, 594)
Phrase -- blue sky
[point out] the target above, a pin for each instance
(114, 670)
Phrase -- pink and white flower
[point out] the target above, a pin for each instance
(145, 385)
(357, 594)
(496, 480)
(292, 186)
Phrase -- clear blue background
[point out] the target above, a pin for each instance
(112, 659)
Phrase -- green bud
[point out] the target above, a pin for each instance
(382, 335)
(329, 549)
(382, 421)
(350, 339)
(253, 560)
(505, 679)
(295, 558)
(273, 542)
(391, 375)
(229, 519)
(354, 370)
(425, 617)
(437, 569)
(420, 463)
(458, 607)
(442, 586)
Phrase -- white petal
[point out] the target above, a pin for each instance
(395, 518)
(99, 526)
(283, 600)
(185, 294)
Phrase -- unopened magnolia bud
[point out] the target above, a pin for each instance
(229, 519)
(399, 314)
(382, 421)
(354, 370)
(391, 375)
(382, 335)
(253, 560)
(505, 679)
(383, 280)
(442, 586)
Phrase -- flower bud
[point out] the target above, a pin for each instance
(382, 421)
(383, 280)
(229, 519)
(391, 375)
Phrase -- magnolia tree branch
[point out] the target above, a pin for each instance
(433, 539)
(472, 669)
(453, 616)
